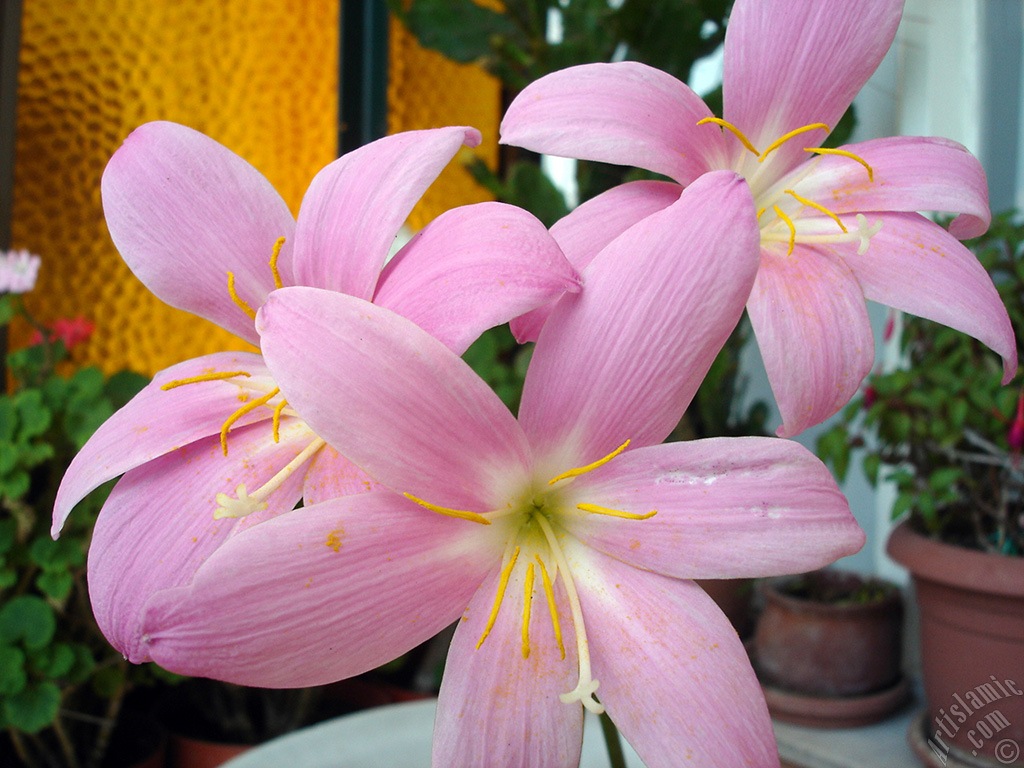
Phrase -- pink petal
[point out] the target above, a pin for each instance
(726, 508)
(157, 421)
(790, 63)
(811, 324)
(910, 174)
(674, 677)
(625, 113)
(184, 211)
(393, 399)
(497, 708)
(916, 266)
(473, 268)
(622, 359)
(320, 594)
(332, 475)
(594, 224)
(355, 206)
(157, 526)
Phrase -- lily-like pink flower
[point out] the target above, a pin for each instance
(211, 446)
(836, 225)
(562, 542)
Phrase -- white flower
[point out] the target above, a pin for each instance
(18, 270)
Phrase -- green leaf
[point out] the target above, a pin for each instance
(872, 463)
(84, 663)
(8, 308)
(54, 661)
(56, 586)
(33, 708)
(460, 29)
(33, 415)
(27, 619)
(13, 677)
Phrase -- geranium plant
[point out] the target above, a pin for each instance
(941, 427)
(61, 684)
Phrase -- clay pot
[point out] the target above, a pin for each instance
(828, 649)
(187, 752)
(972, 647)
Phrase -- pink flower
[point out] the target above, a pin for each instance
(18, 271)
(565, 540)
(71, 331)
(836, 226)
(211, 446)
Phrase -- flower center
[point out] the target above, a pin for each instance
(791, 217)
(534, 534)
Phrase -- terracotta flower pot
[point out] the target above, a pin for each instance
(972, 647)
(828, 649)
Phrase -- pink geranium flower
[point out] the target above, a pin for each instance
(211, 446)
(565, 540)
(836, 226)
(70, 330)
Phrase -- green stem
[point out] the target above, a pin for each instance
(612, 742)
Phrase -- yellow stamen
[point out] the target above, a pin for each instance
(615, 512)
(237, 299)
(462, 514)
(760, 212)
(787, 136)
(552, 609)
(273, 262)
(277, 420)
(252, 405)
(527, 603)
(506, 573)
(203, 377)
(792, 227)
(581, 470)
(844, 153)
(816, 206)
(732, 128)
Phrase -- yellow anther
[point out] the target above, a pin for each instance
(549, 591)
(237, 299)
(273, 262)
(203, 377)
(506, 573)
(816, 206)
(277, 420)
(462, 514)
(595, 509)
(760, 212)
(792, 227)
(844, 153)
(527, 603)
(581, 470)
(252, 405)
(787, 136)
(733, 129)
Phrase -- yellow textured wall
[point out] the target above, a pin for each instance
(426, 90)
(260, 76)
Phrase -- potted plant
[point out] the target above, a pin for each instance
(63, 689)
(943, 430)
(827, 648)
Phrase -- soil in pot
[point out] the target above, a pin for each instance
(830, 636)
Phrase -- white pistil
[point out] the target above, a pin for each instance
(246, 504)
(779, 232)
(587, 685)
